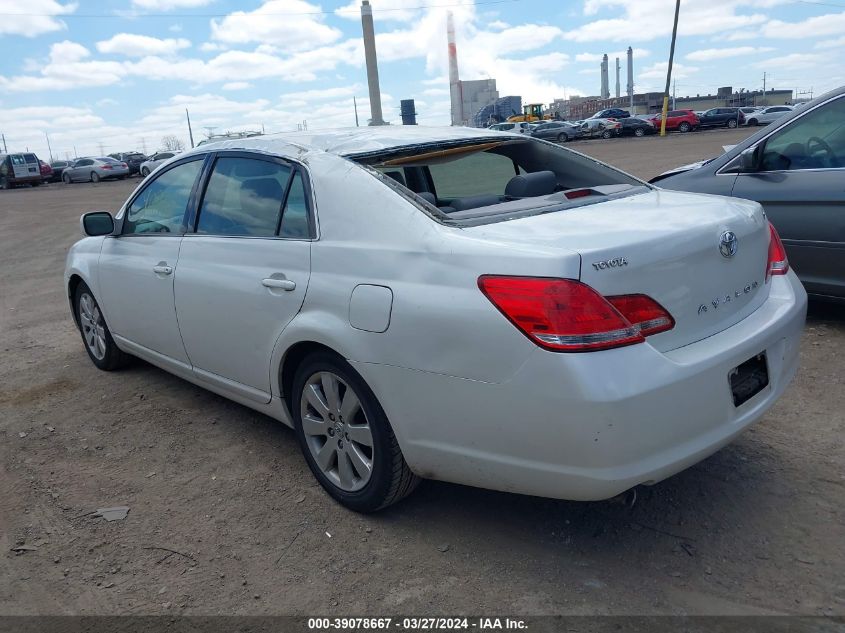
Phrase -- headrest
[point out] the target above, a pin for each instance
(538, 183)
(428, 197)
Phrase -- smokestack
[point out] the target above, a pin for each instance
(455, 92)
(605, 87)
(372, 63)
(618, 67)
(631, 76)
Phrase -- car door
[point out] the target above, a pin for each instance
(244, 270)
(801, 185)
(137, 266)
(81, 169)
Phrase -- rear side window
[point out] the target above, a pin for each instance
(295, 217)
(160, 207)
(479, 173)
(244, 197)
(30, 158)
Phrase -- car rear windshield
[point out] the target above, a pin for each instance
(480, 181)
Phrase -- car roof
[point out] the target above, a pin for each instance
(352, 141)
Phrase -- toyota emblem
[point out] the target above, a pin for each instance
(728, 244)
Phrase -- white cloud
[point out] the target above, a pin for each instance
(654, 77)
(384, 10)
(107, 102)
(40, 16)
(596, 58)
(436, 92)
(795, 60)
(835, 43)
(167, 5)
(708, 54)
(291, 25)
(175, 28)
(811, 28)
(236, 85)
(132, 45)
(698, 17)
(498, 25)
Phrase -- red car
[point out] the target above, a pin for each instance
(46, 171)
(680, 120)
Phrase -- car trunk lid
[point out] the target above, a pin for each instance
(665, 245)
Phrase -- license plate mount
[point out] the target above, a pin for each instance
(749, 379)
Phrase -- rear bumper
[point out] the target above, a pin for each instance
(589, 426)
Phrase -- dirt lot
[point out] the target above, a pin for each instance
(226, 518)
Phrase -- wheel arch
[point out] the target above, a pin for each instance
(292, 359)
(72, 284)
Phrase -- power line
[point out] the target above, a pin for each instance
(133, 16)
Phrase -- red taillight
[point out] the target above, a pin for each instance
(124, 165)
(568, 316)
(778, 264)
(105, 166)
(644, 313)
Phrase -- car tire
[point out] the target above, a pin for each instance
(731, 123)
(66, 179)
(684, 127)
(752, 122)
(145, 172)
(362, 478)
(95, 177)
(96, 336)
(4, 184)
(606, 134)
(563, 137)
(639, 132)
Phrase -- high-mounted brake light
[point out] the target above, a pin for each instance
(777, 264)
(569, 316)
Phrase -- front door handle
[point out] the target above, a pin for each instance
(281, 284)
(162, 269)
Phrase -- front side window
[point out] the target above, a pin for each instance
(244, 197)
(814, 141)
(160, 207)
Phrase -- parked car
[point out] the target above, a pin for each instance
(517, 316)
(768, 115)
(605, 128)
(19, 169)
(154, 161)
(721, 117)
(133, 160)
(521, 127)
(633, 126)
(94, 170)
(46, 171)
(795, 168)
(560, 131)
(677, 120)
(58, 167)
(611, 113)
(748, 110)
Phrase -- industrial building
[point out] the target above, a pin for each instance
(467, 97)
(499, 110)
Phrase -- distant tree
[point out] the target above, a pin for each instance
(172, 143)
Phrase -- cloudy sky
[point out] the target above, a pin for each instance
(119, 75)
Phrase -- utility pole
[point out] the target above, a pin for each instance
(144, 145)
(50, 149)
(669, 70)
(75, 153)
(5, 149)
(190, 131)
(765, 102)
(102, 151)
(674, 99)
(355, 105)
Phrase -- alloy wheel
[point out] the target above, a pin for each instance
(337, 431)
(93, 330)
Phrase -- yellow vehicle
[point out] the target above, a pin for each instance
(530, 112)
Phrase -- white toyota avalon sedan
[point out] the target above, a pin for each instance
(465, 305)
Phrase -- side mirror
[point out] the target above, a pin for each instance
(749, 160)
(97, 223)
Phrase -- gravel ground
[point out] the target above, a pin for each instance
(225, 517)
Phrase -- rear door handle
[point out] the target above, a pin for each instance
(162, 269)
(282, 284)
